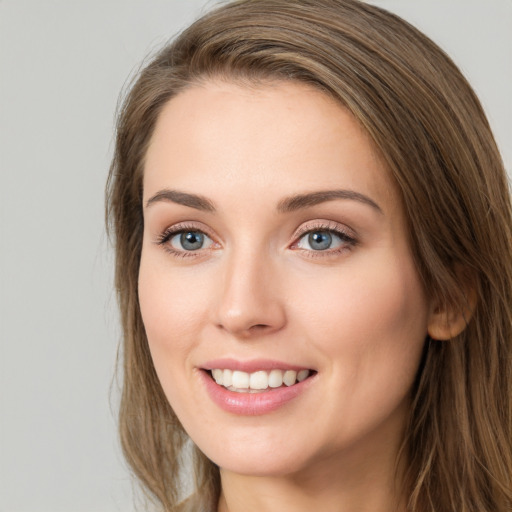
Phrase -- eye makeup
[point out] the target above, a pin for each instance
(186, 235)
(319, 238)
(330, 239)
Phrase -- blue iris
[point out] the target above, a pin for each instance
(320, 240)
(192, 240)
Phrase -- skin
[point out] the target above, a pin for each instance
(356, 313)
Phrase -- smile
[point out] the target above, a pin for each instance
(254, 387)
(259, 381)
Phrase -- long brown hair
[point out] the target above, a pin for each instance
(432, 133)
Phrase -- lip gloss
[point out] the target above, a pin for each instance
(252, 365)
(251, 404)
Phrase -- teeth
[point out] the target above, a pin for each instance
(260, 380)
(289, 377)
(240, 380)
(227, 379)
(302, 375)
(275, 378)
(217, 375)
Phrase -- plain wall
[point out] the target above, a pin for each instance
(62, 65)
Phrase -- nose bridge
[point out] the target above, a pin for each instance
(250, 299)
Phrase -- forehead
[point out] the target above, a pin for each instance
(267, 138)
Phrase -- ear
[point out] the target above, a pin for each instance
(448, 321)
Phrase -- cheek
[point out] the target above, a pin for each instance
(371, 318)
(173, 309)
(172, 306)
(171, 303)
(369, 328)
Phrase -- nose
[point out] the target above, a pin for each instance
(250, 303)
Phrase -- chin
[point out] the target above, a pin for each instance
(273, 458)
(260, 466)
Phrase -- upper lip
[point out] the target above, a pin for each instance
(251, 366)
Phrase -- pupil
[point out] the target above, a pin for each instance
(320, 240)
(191, 241)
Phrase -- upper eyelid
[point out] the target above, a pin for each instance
(324, 225)
(186, 226)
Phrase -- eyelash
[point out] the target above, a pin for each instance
(178, 229)
(348, 239)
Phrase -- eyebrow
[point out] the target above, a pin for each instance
(300, 201)
(287, 205)
(183, 198)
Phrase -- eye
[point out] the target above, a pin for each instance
(190, 241)
(182, 240)
(324, 239)
(317, 241)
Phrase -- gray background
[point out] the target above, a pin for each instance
(62, 65)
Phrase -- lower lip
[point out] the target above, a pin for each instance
(252, 404)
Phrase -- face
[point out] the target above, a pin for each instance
(276, 260)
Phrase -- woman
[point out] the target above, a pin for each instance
(312, 229)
